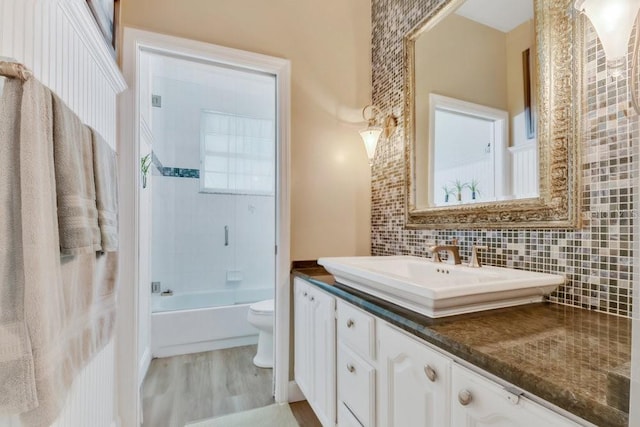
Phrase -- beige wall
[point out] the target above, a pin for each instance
(463, 59)
(328, 43)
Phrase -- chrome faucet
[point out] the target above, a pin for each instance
(475, 260)
(453, 250)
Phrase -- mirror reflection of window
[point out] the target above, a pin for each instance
(470, 156)
(466, 158)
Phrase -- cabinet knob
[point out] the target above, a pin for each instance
(350, 323)
(351, 368)
(312, 298)
(430, 373)
(465, 397)
(304, 294)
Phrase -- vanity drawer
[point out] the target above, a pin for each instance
(356, 386)
(356, 329)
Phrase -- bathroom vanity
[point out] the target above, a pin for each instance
(362, 361)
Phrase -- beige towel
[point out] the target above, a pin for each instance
(65, 304)
(105, 172)
(17, 381)
(75, 187)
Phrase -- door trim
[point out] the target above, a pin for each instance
(138, 41)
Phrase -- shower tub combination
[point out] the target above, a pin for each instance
(185, 323)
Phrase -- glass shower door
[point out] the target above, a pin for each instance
(214, 131)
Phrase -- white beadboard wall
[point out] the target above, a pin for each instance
(524, 160)
(58, 41)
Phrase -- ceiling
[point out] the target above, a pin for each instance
(503, 15)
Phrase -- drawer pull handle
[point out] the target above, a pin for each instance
(465, 397)
(350, 323)
(430, 373)
(351, 368)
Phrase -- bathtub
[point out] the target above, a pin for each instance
(195, 322)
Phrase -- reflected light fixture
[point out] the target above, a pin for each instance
(375, 128)
(613, 21)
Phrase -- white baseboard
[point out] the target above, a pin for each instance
(199, 347)
(295, 394)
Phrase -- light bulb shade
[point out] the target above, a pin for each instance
(613, 21)
(370, 136)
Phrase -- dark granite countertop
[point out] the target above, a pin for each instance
(567, 356)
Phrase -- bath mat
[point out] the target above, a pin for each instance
(270, 416)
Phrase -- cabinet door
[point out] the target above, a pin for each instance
(315, 349)
(323, 363)
(478, 402)
(414, 383)
(302, 333)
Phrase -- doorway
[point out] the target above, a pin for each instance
(210, 163)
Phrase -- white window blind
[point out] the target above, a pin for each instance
(237, 154)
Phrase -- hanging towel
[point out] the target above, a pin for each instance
(105, 172)
(40, 243)
(63, 309)
(17, 378)
(75, 186)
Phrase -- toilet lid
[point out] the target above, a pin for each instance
(263, 307)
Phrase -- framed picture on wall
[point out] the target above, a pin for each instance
(104, 12)
(529, 94)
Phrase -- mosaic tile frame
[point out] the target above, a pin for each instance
(596, 259)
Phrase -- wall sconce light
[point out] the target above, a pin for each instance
(613, 21)
(375, 128)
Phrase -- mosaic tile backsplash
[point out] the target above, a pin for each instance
(597, 259)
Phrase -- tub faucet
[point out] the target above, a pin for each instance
(453, 250)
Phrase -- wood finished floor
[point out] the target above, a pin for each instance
(182, 389)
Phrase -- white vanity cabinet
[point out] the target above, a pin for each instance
(360, 370)
(414, 382)
(480, 402)
(315, 349)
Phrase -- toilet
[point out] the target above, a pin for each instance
(261, 317)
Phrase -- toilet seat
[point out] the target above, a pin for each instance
(265, 307)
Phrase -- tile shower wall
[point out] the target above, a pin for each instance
(189, 254)
(597, 259)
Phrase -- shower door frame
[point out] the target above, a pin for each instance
(133, 366)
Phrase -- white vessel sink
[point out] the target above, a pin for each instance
(439, 289)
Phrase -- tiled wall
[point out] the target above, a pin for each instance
(598, 259)
(188, 248)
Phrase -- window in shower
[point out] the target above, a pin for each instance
(237, 154)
